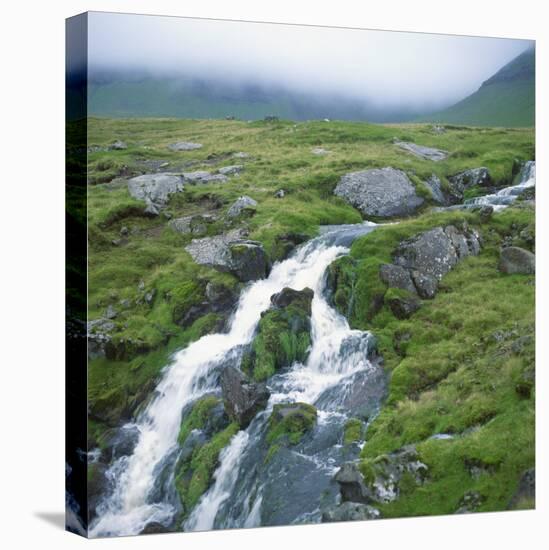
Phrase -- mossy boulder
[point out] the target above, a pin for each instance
(353, 431)
(289, 422)
(284, 334)
(205, 431)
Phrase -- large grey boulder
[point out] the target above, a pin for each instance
(426, 153)
(514, 259)
(421, 261)
(382, 192)
(241, 205)
(350, 511)
(184, 146)
(430, 252)
(230, 253)
(243, 398)
(155, 189)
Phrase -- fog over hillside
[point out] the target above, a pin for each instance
(171, 66)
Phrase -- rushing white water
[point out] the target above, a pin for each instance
(506, 196)
(203, 516)
(128, 510)
(337, 352)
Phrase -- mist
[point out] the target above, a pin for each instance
(385, 69)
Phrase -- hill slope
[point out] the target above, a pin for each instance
(505, 99)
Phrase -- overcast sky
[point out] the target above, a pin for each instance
(387, 68)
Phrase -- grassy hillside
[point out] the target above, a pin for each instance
(452, 371)
(505, 99)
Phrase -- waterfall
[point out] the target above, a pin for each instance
(504, 197)
(337, 353)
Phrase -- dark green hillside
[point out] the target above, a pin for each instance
(505, 99)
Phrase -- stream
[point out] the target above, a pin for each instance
(340, 377)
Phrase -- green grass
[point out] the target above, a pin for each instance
(448, 373)
(506, 99)
(463, 365)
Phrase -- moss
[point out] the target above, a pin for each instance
(194, 476)
(353, 431)
(290, 422)
(457, 372)
(198, 417)
(283, 338)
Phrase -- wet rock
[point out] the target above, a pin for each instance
(351, 484)
(525, 494)
(350, 511)
(397, 277)
(427, 153)
(287, 242)
(403, 307)
(121, 442)
(249, 260)
(155, 189)
(98, 485)
(233, 170)
(298, 298)
(289, 422)
(514, 259)
(154, 528)
(184, 146)
(243, 398)
(384, 192)
(243, 205)
(467, 179)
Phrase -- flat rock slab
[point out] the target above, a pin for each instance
(241, 205)
(184, 146)
(427, 153)
(382, 192)
(202, 177)
(155, 188)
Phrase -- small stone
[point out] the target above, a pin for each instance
(485, 213)
(233, 170)
(124, 231)
(111, 313)
(118, 145)
(280, 194)
(242, 205)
